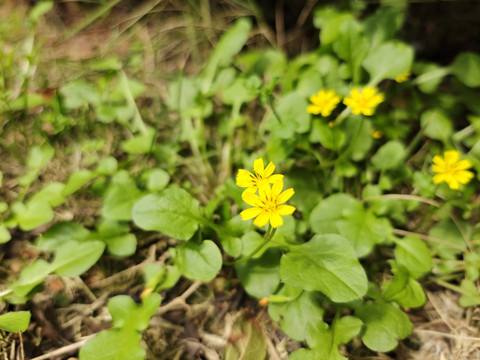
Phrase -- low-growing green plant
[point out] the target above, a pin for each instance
(375, 189)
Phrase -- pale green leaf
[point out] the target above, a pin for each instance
(172, 211)
(199, 261)
(326, 263)
(15, 321)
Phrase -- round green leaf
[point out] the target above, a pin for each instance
(414, 255)
(113, 344)
(15, 321)
(74, 258)
(199, 261)
(388, 61)
(294, 316)
(384, 325)
(326, 263)
(172, 211)
(260, 277)
(466, 68)
(436, 125)
(389, 156)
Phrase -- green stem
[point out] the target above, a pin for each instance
(268, 236)
(5, 292)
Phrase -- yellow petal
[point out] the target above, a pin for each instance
(355, 93)
(269, 170)
(314, 109)
(451, 157)
(463, 177)
(250, 213)
(274, 178)
(245, 178)
(285, 196)
(251, 199)
(285, 209)
(437, 159)
(277, 188)
(453, 183)
(258, 167)
(463, 165)
(437, 168)
(261, 219)
(439, 178)
(276, 220)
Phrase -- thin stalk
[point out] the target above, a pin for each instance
(266, 239)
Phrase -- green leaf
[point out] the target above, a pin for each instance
(59, 234)
(360, 138)
(385, 324)
(466, 68)
(119, 200)
(447, 231)
(15, 321)
(260, 277)
(437, 125)
(79, 93)
(40, 9)
(156, 179)
(229, 45)
(230, 235)
(390, 155)
(470, 295)
(172, 211)
(384, 23)
(429, 76)
(325, 341)
(352, 46)
(307, 190)
(126, 345)
(331, 137)
(250, 343)
(140, 144)
(473, 265)
(107, 166)
(77, 180)
(326, 263)
(293, 316)
(414, 255)
(121, 245)
(33, 214)
(329, 21)
(199, 261)
(294, 118)
(38, 157)
(403, 289)
(74, 258)
(50, 193)
(388, 61)
(4, 234)
(344, 215)
(127, 314)
(31, 276)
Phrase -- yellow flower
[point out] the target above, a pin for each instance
(262, 175)
(323, 102)
(364, 102)
(450, 170)
(267, 205)
(403, 77)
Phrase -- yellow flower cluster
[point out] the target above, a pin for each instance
(267, 205)
(361, 102)
(450, 170)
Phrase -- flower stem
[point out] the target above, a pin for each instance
(268, 236)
